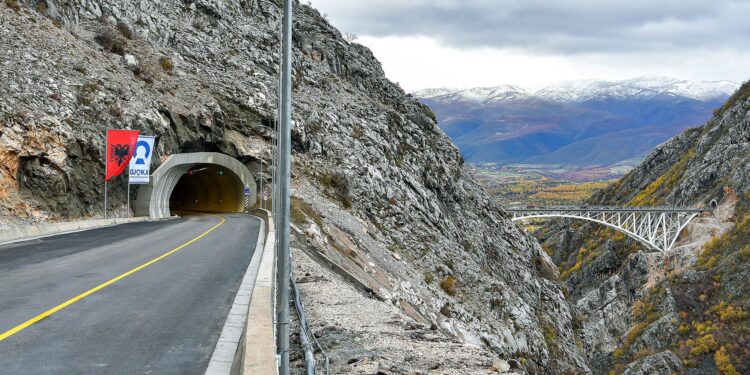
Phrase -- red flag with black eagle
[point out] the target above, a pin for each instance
(120, 148)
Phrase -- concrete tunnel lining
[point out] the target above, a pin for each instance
(153, 199)
(210, 188)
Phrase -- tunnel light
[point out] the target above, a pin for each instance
(192, 172)
(221, 172)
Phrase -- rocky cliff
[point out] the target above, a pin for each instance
(682, 311)
(380, 191)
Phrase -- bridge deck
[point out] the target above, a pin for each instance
(655, 227)
(605, 209)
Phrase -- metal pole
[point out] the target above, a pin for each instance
(128, 193)
(106, 133)
(285, 143)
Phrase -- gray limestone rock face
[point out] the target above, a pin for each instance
(663, 363)
(368, 157)
(130, 62)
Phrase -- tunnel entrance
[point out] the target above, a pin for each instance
(207, 188)
(200, 181)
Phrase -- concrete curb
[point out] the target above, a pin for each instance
(259, 348)
(17, 234)
(251, 348)
(224, 359)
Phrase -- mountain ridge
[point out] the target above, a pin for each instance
(581, 90)
(575, 124)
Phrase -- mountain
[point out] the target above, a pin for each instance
(579, 91)
(574, 124)
(378, 189)
(688, 310)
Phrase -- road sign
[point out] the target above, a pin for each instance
(247, 191)
(140, 163)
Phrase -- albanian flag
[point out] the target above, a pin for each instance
(120, 148)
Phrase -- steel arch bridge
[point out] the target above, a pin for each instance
(656, 227)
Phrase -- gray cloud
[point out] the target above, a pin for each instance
(553, 27)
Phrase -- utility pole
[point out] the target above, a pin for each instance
(285, 143)
(260, 193)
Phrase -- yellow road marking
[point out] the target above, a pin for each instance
(83, 295)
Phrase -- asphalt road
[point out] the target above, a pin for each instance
(163, 319)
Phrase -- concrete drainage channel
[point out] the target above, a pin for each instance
(251, 348)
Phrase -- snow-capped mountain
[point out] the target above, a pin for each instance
(642, 87)
(476, 94)
(578, 91)
(573, 123)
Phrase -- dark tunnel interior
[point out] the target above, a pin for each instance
(208, 188)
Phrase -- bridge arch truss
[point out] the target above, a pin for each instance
(656, 228)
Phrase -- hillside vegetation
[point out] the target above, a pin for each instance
(686, 311)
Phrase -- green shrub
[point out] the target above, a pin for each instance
(13, 4)
(429, 277)
(550, 335)
(702, 345)
(110, 41)
(448, 284)
(124, 29)
(166, 64)
(725, 367)
(337, 186)
(744, 253)
(446, 311)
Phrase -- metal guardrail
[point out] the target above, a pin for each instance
(305, 334)
(303, 329)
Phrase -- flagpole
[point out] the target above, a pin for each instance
(128, 192)
(105, 173)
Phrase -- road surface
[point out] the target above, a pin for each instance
(142, 298)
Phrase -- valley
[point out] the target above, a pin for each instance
(514, 188)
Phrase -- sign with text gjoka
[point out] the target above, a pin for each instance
(140, 164)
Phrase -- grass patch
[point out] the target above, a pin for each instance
(740, 95)
(337, 187)
(300, 211)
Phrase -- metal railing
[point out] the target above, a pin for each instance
(534, 208)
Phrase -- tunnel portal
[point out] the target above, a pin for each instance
(208, 188)
(201, 181)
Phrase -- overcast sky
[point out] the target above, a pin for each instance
(532, 43)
